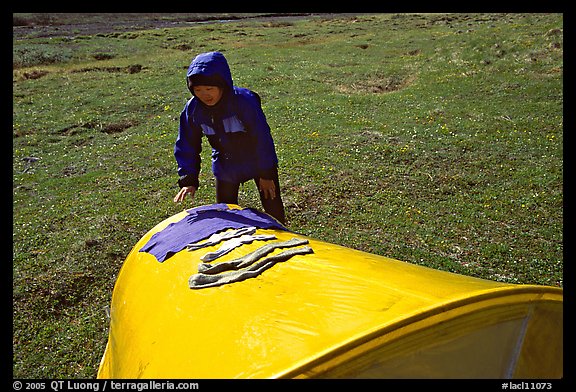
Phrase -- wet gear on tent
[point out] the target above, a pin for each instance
(201, 223)
(219, 237)
(203, 280)
(234, 243)
(250, 258)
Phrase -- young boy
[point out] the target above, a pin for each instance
(232, 119)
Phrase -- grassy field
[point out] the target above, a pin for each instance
(433, 139)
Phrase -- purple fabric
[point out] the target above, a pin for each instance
(201, 223)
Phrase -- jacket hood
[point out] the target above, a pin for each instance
(210, 68)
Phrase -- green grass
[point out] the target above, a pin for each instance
(432, 139)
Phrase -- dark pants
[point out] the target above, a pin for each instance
(227, 192)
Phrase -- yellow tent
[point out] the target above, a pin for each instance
(326, 312)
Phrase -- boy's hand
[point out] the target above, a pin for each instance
(267, 188)
(183, 192)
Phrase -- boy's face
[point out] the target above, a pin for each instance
(209, 95)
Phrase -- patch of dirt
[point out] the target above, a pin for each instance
(377, 85)
(72, 170)
(39, 73)
(131, 69)
(35, 74)
(111, 128)
(119, 126)
(46, 295)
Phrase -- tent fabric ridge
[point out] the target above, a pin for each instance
(382, 330)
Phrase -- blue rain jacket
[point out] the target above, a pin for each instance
(236, 128)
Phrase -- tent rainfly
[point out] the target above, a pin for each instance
(221, 291)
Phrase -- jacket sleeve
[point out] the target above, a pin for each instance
(267, 160)
(187, 149)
